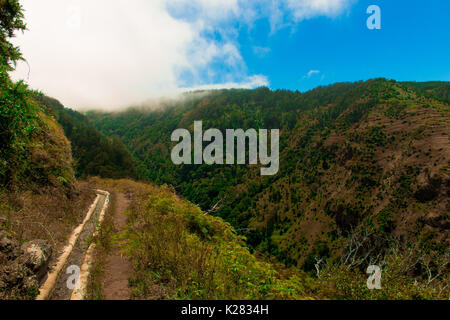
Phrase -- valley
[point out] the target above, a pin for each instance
(351, 203)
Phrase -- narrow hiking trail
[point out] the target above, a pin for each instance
(118, 268)
(75, 254)
(79, 253)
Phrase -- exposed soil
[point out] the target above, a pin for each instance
(118, 268)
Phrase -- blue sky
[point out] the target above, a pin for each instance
(413, 44)
(112, 54)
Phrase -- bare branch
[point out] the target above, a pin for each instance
(219, 205)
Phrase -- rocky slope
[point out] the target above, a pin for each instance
(22, 267)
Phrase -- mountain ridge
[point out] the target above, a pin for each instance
(327, 134)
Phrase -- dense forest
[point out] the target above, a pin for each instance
(365, 160)
(93, 153)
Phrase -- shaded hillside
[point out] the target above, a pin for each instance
(368, 157)
(93, 153)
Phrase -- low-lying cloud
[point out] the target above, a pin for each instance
(112, 54)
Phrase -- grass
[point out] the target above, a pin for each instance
(50, 216)
(104, 242)
(178, 252)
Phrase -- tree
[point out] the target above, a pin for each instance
(16, 114)
(11, 20)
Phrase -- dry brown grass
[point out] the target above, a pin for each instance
(50, 215)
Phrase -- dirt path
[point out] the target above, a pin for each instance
(118, 268)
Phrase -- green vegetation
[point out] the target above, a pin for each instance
(33, 150)
(194, 256)
(11, 20)
(349, 156)
(179, 252)
(93, 153)
(363, 180)
(39, 197)
(435, 89)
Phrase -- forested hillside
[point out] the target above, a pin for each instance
(93, 153)
(363, 162)
(439, 90)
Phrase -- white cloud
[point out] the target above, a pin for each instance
(287, 13)
(261, 51)
(112, 54)
(304, 9)
(312, 72)
(255, 81)
(122, 52)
